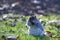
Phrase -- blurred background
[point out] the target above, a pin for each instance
(29, 7)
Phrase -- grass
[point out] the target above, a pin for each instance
(21, 25)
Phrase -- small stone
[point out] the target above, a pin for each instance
(48, 34)
(10, 37)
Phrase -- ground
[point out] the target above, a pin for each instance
(21, 28)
